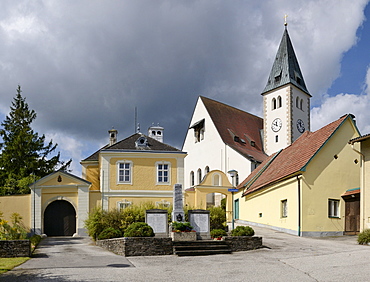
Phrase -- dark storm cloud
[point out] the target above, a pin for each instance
(85, 65)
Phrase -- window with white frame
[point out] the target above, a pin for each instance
(163, 173)
(162, 204)
(333, 206)
(123, 204)
(124, 171)
(284, 208)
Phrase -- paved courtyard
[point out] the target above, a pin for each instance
(284, 258)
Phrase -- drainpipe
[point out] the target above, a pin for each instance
(299, 205)
(362, 188)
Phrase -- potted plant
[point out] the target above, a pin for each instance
(183, 231)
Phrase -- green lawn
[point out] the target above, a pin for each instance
(9, 263)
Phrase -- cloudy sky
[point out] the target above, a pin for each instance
(85, 65)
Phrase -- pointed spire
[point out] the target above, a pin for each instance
(285, 68)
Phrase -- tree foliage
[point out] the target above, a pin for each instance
(24, 156)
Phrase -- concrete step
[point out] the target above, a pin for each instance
(200, 248)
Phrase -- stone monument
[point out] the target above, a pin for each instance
(157, 219)
(178, 206)
(200, 221)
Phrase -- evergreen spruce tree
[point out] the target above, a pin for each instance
(24, 156)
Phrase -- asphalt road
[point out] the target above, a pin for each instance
(284, 258)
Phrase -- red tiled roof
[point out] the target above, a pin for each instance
(351, 192)
(236, 126)
(290, 161)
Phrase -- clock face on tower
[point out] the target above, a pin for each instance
(276, 125)
(300, 126)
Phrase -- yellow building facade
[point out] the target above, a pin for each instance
(302, 189)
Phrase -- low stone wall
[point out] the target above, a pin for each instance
(138, 246)
(243, 243)
(15, 248)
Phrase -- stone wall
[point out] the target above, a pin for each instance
(15, 248)
(243, 243)
(151, 246)
(138, 246)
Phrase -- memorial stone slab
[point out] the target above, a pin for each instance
(200, 221)
(157, 219)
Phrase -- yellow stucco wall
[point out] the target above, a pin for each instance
(112, 202)
(214, 182)
(20, 204)
(52, 194)
(144, 174)
(328, 177)
(265, 205)
(94, 200)
(90, 172)
(365, 185)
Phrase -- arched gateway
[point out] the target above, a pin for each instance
(60, 219)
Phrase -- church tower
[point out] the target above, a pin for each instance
(286, 100)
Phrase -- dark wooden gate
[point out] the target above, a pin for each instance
(352, 214)
(60, 219)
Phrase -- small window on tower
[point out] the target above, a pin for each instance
(159, 133)
(277, 138)
(279, 102)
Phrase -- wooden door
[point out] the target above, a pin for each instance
(352, 215)
(60, 219)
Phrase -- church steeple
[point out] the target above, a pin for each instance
(286, 100)
(285, 69)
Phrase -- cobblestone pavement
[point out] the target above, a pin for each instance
(284, 258)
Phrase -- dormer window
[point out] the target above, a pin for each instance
(141, 142)
(198, 130)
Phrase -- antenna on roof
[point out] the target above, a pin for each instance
(135, 124)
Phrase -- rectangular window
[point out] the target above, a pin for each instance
(123, 205)
(333, 206)
(284, 208)
(163, 172)
(124, 172)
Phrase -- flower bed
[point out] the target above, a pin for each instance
(184, 236)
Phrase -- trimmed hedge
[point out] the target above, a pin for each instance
(139, 229)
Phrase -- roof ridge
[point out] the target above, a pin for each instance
(232, 107)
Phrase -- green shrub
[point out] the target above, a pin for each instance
(94, 223)
(181, 226)
(242, 231)
(217, 233)
(364, 237)
(223, 204)
(35, 240)
(14, 231)
(139, 229)
(217, 218)
(109, 233)
(99, 219)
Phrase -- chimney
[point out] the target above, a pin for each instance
(112, 136)
(156, 132)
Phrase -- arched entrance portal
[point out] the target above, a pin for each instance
(60, 219)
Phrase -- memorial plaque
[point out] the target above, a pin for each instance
(200, 222)
(157, 219)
